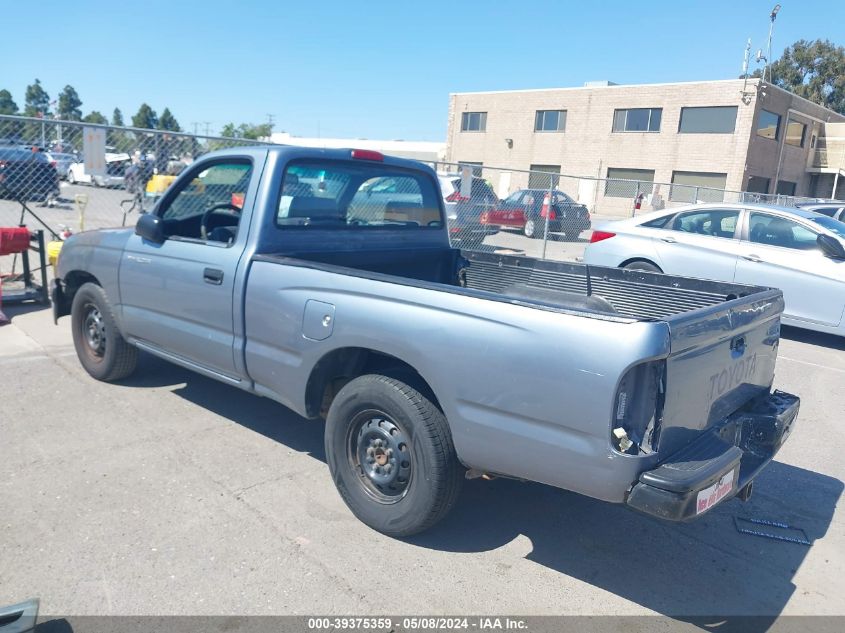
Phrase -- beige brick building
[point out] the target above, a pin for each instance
(694, 136)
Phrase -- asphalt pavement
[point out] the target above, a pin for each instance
(172, 494)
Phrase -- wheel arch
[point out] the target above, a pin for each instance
(645, 260)
(71, 283)
(341, 365)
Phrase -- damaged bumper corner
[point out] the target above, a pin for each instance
(718, 465)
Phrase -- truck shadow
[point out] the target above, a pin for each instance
(705, 573)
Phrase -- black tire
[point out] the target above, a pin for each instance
(419, 476)
(100, 347)
(71, 179)
(641, 265)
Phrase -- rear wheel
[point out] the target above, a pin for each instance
(532, 229)
(642, 265)
(100, 347)
(391, 456)
(71, 179)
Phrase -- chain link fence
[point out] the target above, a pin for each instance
(547, 214)
(45, 182)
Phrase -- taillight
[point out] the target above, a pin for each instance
(456, 196)
(598, 236)
(638, 408)
(551, 213)
(367, 154)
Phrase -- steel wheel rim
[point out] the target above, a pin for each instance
(379, 453)
(94, 332)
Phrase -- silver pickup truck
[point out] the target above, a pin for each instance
(325, 280)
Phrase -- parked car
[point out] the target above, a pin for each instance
(27, 175)
(430, 364)
(798, 251)
(833, 208)
(61, 162)
(525, 210)
(116, 165)
(463, 213)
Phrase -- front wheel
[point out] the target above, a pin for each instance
(391, 456)
(100, 347)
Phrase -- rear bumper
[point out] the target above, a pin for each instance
(719, 464)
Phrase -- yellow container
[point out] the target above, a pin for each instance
(53, 250)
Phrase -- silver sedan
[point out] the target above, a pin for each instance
(798, 251)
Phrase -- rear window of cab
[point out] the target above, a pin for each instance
(356, 195)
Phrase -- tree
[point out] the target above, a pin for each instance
(117, 118)
(814, 70)
(7, 104)
(95, 117)
(168, 122)
(37, 101)
(69, 103)
(146, 118)
(247, 130)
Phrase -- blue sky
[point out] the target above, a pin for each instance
(374, 69)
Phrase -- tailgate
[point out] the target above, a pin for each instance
(721, 357)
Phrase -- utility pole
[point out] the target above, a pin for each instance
(767, 73)
(270, 118)
(207, 127)
(196, 127)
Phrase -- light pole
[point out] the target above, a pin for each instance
(768, 71)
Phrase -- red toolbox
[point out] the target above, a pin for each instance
(13, 240)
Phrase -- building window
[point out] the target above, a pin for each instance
(709, 120)
(697, 186)
(477, 168)
(758, 184)
(768, 124)
(473, 121)
(785, 188)
(619, 183)
(550, 121)
(795, 131)
(637, 120)
(539, 177)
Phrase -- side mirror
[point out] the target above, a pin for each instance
(831, 247)
(150, 228)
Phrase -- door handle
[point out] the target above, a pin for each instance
(752, 258)
(213, 276)
(669, 240)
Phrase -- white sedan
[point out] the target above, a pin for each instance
(116, 165)
(798, 251)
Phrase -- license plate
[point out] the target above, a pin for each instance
(712, 495)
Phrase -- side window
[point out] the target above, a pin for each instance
(774, 231)
(712, 222)
(208, 206)
(658, 223)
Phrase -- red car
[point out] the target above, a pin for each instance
(524, 210)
